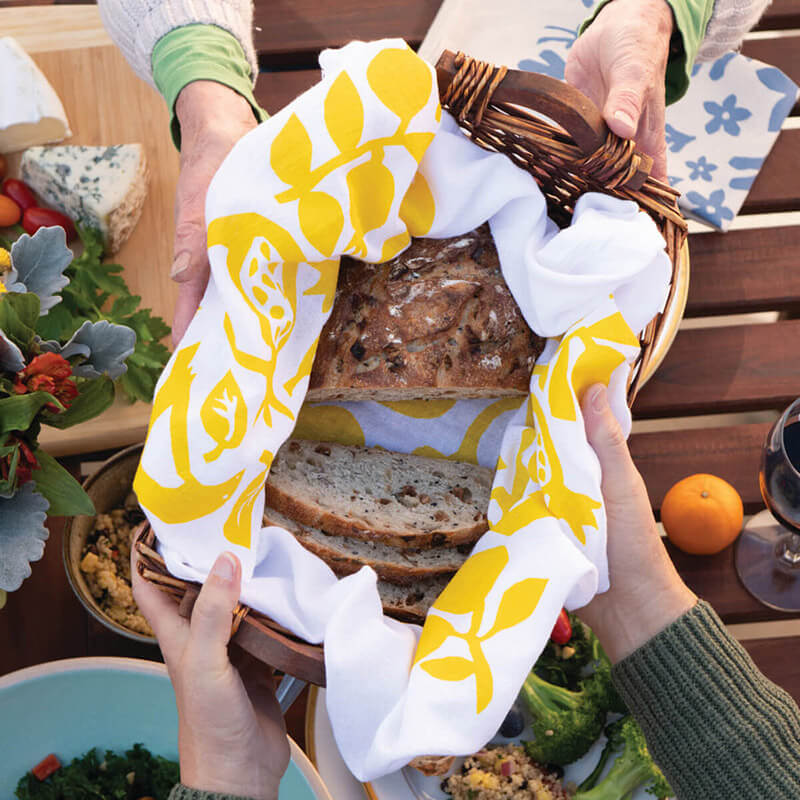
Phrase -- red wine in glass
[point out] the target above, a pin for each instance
(768, 551)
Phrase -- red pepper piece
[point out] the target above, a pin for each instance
(46, 767)
(562, 630)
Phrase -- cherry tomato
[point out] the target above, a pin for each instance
(562, 630)
(10, 212)
(3, 166)
(19, 192)
(35, 218)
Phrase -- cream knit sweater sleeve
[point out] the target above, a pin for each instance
(136, 25)
(730, 21)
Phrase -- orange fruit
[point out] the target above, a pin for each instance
(702, 514)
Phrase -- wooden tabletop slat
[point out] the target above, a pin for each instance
(781, 51)
(731, 368)
(714, 579)
(777, 659)
(776, 187)
(274, 90)
(746, 270)
(292, 32)
(780, 15)
(732, 452)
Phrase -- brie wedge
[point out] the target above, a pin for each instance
(30, 111)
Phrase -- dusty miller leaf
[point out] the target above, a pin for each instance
(37, 265)
(11, 358)
(104, 345)
(22, 535)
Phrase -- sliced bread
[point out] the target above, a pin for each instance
(392, 564)
(411, 603)
(402, 500)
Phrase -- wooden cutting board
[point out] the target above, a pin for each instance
(106, 103)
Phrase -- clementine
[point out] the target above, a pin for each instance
(702, 514)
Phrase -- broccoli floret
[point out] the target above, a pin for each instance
(633, 767)
(565, 723)
(601, 687)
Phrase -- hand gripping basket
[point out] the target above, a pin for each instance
(568, 153)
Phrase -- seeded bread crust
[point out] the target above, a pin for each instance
(393, 565)
(437, 321)
(401, 500)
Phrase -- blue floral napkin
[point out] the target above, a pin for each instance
(718, 134)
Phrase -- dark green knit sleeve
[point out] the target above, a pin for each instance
(714, 724)
(181, 792)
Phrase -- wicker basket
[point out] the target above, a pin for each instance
(502, 110)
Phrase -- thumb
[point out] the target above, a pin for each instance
(213, 610)
(624, 103)
(607, 440)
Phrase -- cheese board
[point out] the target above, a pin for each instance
(106, 103)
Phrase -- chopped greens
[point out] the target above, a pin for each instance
(135, 775)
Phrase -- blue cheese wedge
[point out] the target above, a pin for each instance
(100, 187)
(30, 111)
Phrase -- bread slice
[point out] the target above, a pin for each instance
(401, 500)
(346, 556)
(437, 321)
(411, 603)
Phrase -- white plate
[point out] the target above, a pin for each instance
(404, 785)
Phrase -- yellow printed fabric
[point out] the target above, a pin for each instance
(358, 165)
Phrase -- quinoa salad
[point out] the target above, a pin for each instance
(503, 773)
(106, 565)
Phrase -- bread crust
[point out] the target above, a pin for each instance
(437, 321)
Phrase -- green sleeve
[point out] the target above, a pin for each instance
(201, 52)
(691, 21)
(714, 724)
(181, 792)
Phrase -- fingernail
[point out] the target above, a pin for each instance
(598, 398)
(179, 265)
(224, 567)
(625, 117)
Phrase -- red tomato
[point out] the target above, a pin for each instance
(3, 166)
(562, 630)
(46, 767)
(35, 218)
(10, 212)
(19, 192)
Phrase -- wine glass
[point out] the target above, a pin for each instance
(768, 551)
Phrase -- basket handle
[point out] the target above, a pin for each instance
(564, 104)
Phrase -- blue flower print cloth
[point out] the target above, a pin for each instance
(718, 134)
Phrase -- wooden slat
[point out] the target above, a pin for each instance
(731, 452)
(714, 578)
(777, 659)
(781, 15)
(735, 368)
(782, 52)
(274, 90)
(747, 270)
(776, 188)
(292, 32)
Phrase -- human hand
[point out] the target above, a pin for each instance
(212, 119)
(231, 733)
(619, 62)
(646, 591)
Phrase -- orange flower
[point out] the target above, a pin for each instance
(48, 372)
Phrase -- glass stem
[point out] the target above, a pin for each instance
(791, 550)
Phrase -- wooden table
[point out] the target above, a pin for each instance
(725, 370)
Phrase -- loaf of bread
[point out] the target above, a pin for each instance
(437, 321)
(372, 494)
(345, 556)
(411, 603)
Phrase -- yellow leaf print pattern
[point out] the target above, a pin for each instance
(466, 594)
(224, 416)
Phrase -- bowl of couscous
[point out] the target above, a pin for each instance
(97, 548)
